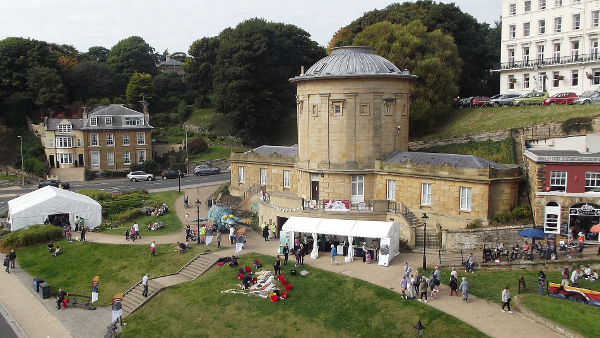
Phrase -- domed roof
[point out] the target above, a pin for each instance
(352, 61)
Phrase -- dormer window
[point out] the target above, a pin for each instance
(93, 121)
(65, 128)
(108, 120)
(133, 121)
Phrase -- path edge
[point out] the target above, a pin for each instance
(545, 321)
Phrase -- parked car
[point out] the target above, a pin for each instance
(171, 174)
(533, 98)
(590, 96)
(561, 98)
(54, 183)
(135, 176)
(204, 169)
(504, 100)
(475, 101)
(465, 103)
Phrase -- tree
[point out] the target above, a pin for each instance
(469, 35)
(168, 84)
(254, 64)
(179, 56)
(139, 87)
(97, 54)
(91, 80)
(132, 55)
(9, 145)
(197, 146)
(432, 56)
(46, 86)
(199, 67)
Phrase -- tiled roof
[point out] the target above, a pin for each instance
(280, 150)
(171, 63)
(117, 112)
(461, 161)
(52, 124)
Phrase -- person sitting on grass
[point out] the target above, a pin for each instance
(187, 245)
(50, 247)
(247, 281)
(57, 252)
(233, 262)
(593, 277)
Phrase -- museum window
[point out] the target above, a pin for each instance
(110, 158)
(426, 193)
(364, 109)
(64, 128)
(391, 190)
(241, 176)
(126, 139)
(93, 121)
(388, 108)
(110, 141)
(337, 107)
(286, 178)
(127, 157)
(558, 181)
(592, 181)
(94, 139)
(465, 198)
(263, 176)
(315, 110)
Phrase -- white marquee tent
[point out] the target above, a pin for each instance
(347, 228)
(35, 207)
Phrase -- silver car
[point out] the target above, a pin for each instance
(589, 97)
(135, 176)
(505, 100)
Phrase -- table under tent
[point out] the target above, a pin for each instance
(386, 234)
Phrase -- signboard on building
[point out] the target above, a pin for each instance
(584, 209)
(337, 205)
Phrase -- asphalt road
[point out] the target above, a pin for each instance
(117, 185)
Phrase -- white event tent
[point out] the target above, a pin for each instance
(35, 207)
(346, 228)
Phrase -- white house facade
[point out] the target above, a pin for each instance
(550, 45)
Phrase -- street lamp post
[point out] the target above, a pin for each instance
(419, 328)
(424, 218)
(22, 172)
(198, 219)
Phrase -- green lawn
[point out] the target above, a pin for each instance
(118, 266)
(4, 177)
(573, 315)
(495, 151)
(474, 120)
(201, 117)
(170, 219)
(219, 152)
(320, 304)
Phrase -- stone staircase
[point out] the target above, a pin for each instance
(133, 299)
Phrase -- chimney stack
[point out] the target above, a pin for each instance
(301, 70)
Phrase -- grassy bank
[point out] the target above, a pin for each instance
(476, 120)
(576, 316)
(4, 177)
(320, 304)
(118, 266)
(495, 151)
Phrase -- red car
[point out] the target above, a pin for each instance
(561, 98)
(481, 101)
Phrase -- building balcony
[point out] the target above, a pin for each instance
(548, 62)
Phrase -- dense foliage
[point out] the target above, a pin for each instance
(495, 151)
(256, 59)
(34, 234)
(131, 55)
(197, 146)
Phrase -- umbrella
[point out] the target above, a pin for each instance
(595, 229)
(533, 233)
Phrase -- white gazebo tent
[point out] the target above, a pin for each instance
(351, 229)
(35, 207)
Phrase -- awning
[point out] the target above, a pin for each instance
(301, 224)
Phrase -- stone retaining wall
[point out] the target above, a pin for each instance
(468, 239)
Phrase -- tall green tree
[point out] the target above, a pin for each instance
(199, 67)
(255, 61)
(168, 84)
(46, 87)
(97, 54)
(129, 56)
(91, 80)
(432, 56)
(469, 36)
(139, 88)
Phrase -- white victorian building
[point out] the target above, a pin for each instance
(551, 45)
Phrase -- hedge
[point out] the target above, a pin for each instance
(35, 234)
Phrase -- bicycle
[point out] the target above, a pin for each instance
(111, 331)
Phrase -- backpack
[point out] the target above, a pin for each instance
(409, 270)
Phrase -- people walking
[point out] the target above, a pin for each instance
(464, 287)
(131, 234)
(286, 252)
(403, 286)
(153, 249)
(506, 299)
(265, 232)
(453, 285)
(438, 275)
(145, 285)
(565, 275)
(333, 254)
(432, 284)
(407, 270)
(218, 239)
(7, 264)
(277, 266)
(12, 256)
(187, 230)
(136, 228)
(541, 281)
(83, 229)
(411, 288)
(423, 288)
(231, 234)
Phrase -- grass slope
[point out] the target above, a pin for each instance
(495, 151)
(573, 315)
(476, 120)
(320, 304)
(4, 177)
(118, 266)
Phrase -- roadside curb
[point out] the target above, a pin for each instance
(545, 321)
(12, 322)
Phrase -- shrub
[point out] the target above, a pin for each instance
(521, 213)
(150, 166)
(197, 146)
(88, 175)
(105, 173)
(96, 194)
(475, 224)
(35, 234)
(179, 166)
(125, 216)
(34, 166)
(577, 124)
(223, 189)
(501, 217)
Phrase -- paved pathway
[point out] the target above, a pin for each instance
(481, 314)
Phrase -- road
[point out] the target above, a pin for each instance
(117, 185)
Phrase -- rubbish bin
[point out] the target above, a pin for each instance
(44, 290)
(37, 281)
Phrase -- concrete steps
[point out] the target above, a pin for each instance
(133, 299)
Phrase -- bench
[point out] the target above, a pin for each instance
(74, 302)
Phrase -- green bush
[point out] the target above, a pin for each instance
(577, 124)
(223, 189)
(501, 217)
(88, 175)
(150, 166)
(96, 194)
(34, 234)
(521, 213)
(34, 166)
(197, 146)
(179, 166)
(474, 225)
(105, 173)
(125, 216)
